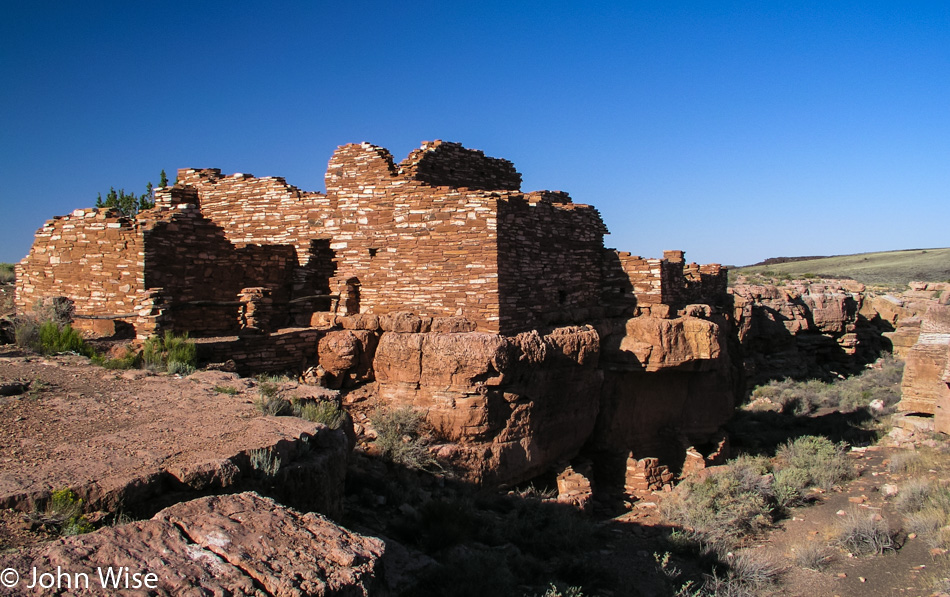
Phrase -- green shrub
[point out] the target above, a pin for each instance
(399, 437)
(230, 391)
(325, 411)
(824, 462)
(790, 485)
(171, 353)
(7, 273)
(64, 510)
(719, 509)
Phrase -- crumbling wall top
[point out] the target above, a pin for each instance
(445, 164)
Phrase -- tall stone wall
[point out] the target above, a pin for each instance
(93, 257)
(549, 257)
(202, 272)
(407, 246)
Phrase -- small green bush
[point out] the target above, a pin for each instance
(171, 353)
(824, 462)
(7, 273)
(399, 437)
(230, 391)
(325, 411)
(719, 509)
(64, 510)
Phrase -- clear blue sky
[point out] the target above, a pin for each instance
(733, 131)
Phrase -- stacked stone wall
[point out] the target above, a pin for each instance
(549, 261)
(203, 273)
(93, 257)
(407, 246)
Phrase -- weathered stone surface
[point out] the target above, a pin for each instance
(155, 435)
(511, 406)
(923, 388)
(347, 355)
(672, 343)
(802, 330)
(240, 544)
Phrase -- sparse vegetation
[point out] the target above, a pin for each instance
(325, 412)
(864, 533)
(269, 399)
(64, 512)
(400, 437)
(891, 269)
(7, 273)
(718, 510)
(264, 463)
(880, 382)
(171, 353)
(229, 390)
(47, 330)
(129, 204)
(819, 461)
(812, 555)
(926, 509)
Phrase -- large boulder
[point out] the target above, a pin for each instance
(508, 408)
(241, 544)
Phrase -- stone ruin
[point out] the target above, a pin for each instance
(445, 233)
(497, 312)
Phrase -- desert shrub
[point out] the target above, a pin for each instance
(399, 437)
(229, 390)
(130, 360)
(326, 412)
(718, 509)
(748, 575)
(812, 555)
(914, 495)
(864, 533)
(264, 463)
(171, 353)
(790, 485)
(64, 511)
(273, 405)
(879, 382)
(7, 274)
(55, 339)
(824, 462)
(926, 509)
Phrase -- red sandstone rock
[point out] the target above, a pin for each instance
(240, 544)
(923, 388)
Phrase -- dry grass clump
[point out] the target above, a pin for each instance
(812, 555)
(926, 509)
(400, 437)
(864, 533)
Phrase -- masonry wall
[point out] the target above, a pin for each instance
(191, 259)
(669, 280)
(408, 246)
(549, 260)
(93, 257)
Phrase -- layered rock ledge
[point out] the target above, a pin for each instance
(240, 544)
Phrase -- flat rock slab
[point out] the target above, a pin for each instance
(117, 438)
(239, 544)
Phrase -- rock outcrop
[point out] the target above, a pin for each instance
(239, 544)
(806, 330)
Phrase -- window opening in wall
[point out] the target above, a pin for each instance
(561, 296)
(372, 252)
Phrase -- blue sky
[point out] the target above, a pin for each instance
(734, 131)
